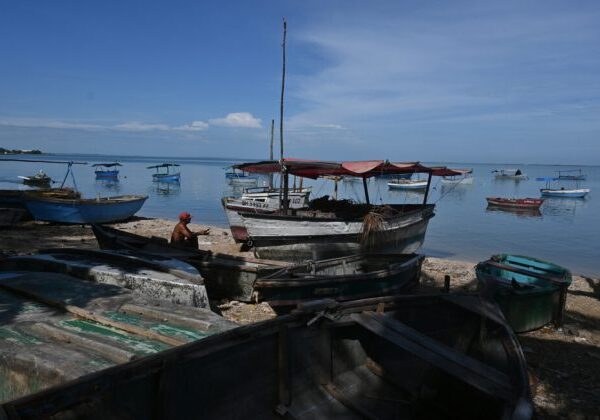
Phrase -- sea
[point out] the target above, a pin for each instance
(565, 231)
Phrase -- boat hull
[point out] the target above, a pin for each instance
(104, 210)
(531, 293)
(515, 203)
(291, 238)
(458, 181)
(107, 174)
(408, 185)
(347, 278)
(579, 193)
(176, 177)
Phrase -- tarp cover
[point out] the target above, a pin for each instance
(364, 169)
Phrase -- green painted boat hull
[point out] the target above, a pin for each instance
(531, 293)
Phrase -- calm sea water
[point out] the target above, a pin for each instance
(567, 231)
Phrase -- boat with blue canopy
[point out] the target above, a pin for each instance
(167, 175)
(572, 174)
(106, 171)
(530, 292)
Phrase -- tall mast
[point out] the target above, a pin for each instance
(283, 202)
(271, 153)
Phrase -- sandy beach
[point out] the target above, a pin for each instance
(563, 362)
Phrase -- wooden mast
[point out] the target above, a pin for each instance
(271, 153)
(283, 203)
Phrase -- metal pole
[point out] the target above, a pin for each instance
(366, 190)
(427, 190)
(284, 180)
(271, 153)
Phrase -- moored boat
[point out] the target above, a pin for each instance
(79, 210)
(167, 175)
(513, 174)
(517, 203)
(105, 171)
(408, 184)
(466, 178)
(38, 180)
(565, 192)
(410, 357)
(571, 174)
(346, 278)
(530, 292)
(333, 228)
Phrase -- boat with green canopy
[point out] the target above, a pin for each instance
(530, 292)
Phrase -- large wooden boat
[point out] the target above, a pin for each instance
(431, 357)
(333, 228)
(530, 292)
(57, 328)
(346, 278)
(225, 276)
(168, 279)
(91, 210)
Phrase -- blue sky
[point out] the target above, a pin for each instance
(462, 81)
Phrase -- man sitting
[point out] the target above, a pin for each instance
(182, 235)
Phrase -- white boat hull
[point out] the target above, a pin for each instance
(408, 185)
(576, 193)
(297, 238)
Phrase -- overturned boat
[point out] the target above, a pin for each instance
(166, 278)
(333, 228)
(57, 328)
(406, 358)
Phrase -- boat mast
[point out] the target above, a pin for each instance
(283, 202)
(271, 153)
(427, 190)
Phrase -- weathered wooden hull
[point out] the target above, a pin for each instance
(428, 357)
(225, 276)
(355, 277)
(531, 293)
(103, 210)
(291, 238)
(169, 280)
(516, 203)
(56, 328)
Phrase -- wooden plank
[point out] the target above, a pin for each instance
(465, 368)
(85, 314)
(159, 315)
(105, 350)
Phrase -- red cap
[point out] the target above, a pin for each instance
(184, 215)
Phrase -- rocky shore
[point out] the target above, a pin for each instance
(564, 362)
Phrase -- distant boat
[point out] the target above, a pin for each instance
(571, 174)
(562, 191)
(465, 179)
(38, 180)
(519, 203)
(530, 292)
(514, 174)
(166, 176)
(408, 184)
(240, 178)
(104, 171)
(93, 210)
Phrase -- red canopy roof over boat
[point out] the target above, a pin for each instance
(364, 169)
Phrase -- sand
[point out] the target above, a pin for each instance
(564, 363)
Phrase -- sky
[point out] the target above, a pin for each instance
(452, 81)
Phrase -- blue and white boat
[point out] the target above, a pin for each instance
(562, 191)
(80, 211)
(166, 176)
(240, 178)
(104, 171)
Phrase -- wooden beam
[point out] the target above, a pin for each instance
(366, 190)
(465, 368)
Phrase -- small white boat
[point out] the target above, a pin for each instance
(562, 192)
(465, 179)
(408, 184)
(514, 174)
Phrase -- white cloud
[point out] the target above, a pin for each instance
(137, 126)
(238, 119)
(45, 123)
(193, 126)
